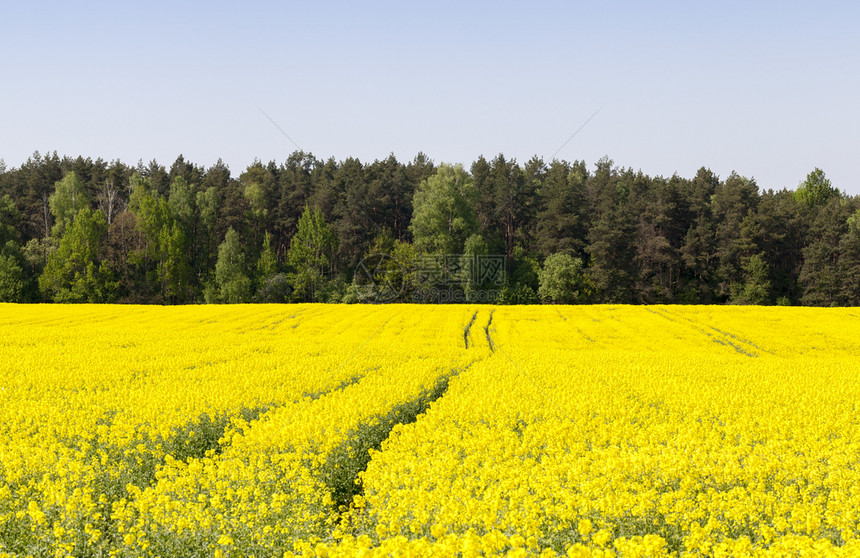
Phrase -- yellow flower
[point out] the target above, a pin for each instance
(437, 530)
(232, 423)
(585, 527)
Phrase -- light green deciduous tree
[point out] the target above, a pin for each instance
(444, 211)
(68, 199)
(73, 272)
(311, 254)
(563, 280)
(231, 278)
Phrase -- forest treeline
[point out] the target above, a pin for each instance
(307, 229)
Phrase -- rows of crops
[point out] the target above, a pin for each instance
(429, 430)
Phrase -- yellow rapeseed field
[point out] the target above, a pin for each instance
(419, 430)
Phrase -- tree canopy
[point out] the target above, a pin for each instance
(83, 230)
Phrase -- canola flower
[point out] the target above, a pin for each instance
(638, 432)
(524, 431)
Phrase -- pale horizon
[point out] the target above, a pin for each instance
(766, 90)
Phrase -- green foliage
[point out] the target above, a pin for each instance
(172, 268)
(233, 284)
(152, 211)
(68, 199)
(388, 272)
(208, 201)
(311, 255)
(816, 190)
(12, 279)
(642, 239)
(267, 265)
(139, 187)
(849, 261)
(332, 291)
(443, 214)
(237, 291)
(275, 290)
(258, 188)
(823, 275)
(564, 281)
(166, 226)
(181, 202)
(207, 205)
(561, 219)
(13, 273)
(74, 272)
(407, 260)
(9, 218)
(611, 249)
(258, 199)
(757, 286)
(517, 293)
(474, 247)
(37, 251)
(525, 269)
(210, 292)
(273, 287)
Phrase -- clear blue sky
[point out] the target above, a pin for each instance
(769, 89)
